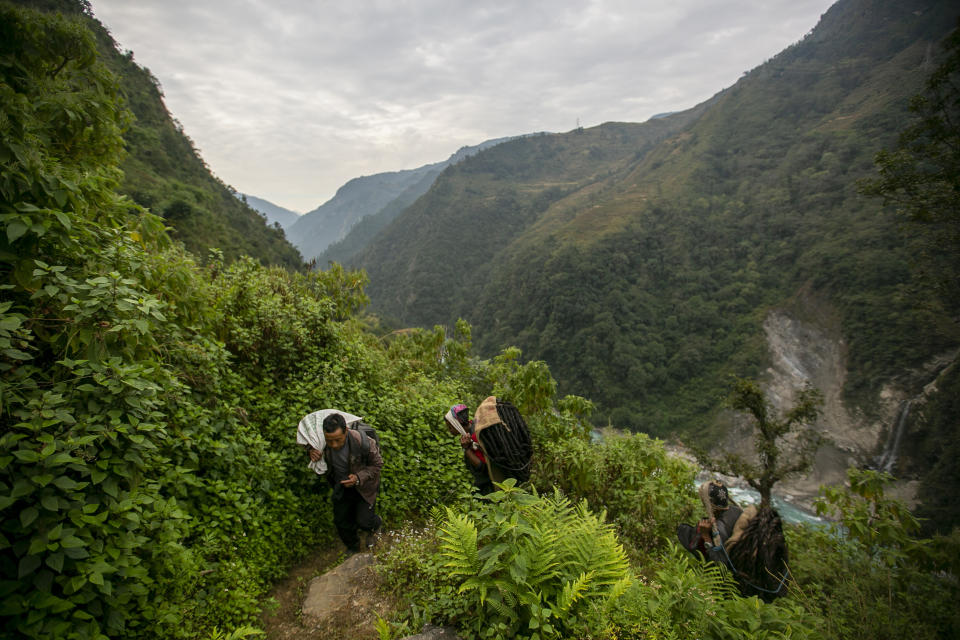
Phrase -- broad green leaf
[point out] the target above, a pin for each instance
(28, 564)
(50, 503)
(72, 542)
(15, 230)
(64, 219)
(28, 515)
(65, 483)
(27, 455)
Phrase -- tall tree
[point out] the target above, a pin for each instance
(783, 446)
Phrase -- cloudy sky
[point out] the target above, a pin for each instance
(288, 99)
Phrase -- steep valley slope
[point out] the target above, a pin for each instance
(646, 263)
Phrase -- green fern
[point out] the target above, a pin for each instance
(573, 591)
(237, 634)
(536, 562)
(458, 540)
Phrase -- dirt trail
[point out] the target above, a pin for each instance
(354, 619)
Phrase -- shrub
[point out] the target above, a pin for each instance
(868, 577)
(530, 565)
(683, 598)
(645, 491)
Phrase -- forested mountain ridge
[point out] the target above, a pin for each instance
(371, 200)
(151, 486)
(273, 213)
(164, 172)
(644, 288)
(486, 202)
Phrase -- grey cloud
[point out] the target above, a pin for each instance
(289, 99)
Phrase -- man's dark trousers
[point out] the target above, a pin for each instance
(350, 513)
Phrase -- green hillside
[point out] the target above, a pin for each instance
(151, 486)
(641, 269)
(481, 205)
(164, 172)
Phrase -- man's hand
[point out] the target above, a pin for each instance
(315, 454)
(351, 481)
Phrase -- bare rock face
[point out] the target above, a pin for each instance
(336, 588)
(812, 352)
(807, 353)
(804, 354)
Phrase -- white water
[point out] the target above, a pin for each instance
(888, 459)
(788, 511)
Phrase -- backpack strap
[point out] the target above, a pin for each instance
(364, 445)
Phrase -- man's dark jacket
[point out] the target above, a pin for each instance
(365, 467)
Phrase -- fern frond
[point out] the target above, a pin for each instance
(491, 556)
(573, 591)
(502, 608)
(509, 591)
(617, 590)
(458, 544)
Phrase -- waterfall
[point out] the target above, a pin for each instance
(888, 459)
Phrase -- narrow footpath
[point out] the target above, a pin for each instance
(327, 596)
(332, 596)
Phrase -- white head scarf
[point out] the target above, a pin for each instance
(310, 432)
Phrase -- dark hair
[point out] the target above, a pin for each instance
(333, 423)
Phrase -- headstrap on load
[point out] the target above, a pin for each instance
(505, 438)
(715, 497)
(453, 418)
(486, 415)
(349, 418)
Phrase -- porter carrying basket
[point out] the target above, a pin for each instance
(505, 439)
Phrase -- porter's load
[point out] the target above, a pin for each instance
(505, 440)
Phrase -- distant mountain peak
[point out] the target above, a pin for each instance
(365, 196)
(275, 214)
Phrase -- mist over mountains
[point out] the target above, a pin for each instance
(377, 198)
(275, 214)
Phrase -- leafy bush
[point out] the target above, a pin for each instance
(520, 566)
(868, 577)
(531, 564)
(683, 598)
(514, 566)
(149, 481)
(645, 491)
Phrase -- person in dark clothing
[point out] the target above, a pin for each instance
(459, 423)
(353, 471)
(719, 527)
(748, 541)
